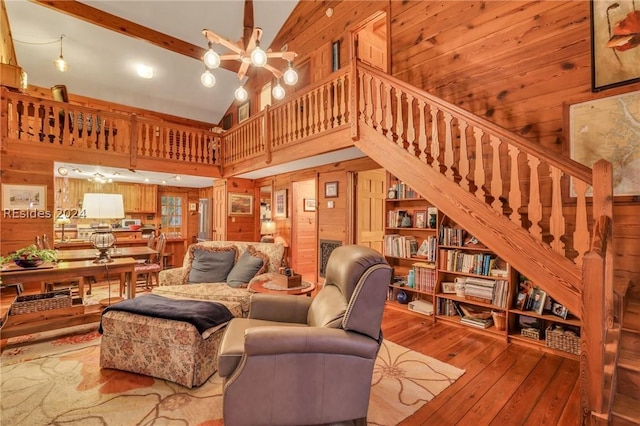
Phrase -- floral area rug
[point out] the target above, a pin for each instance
(57, 379)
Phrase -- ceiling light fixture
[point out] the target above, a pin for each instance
(63, 171)
(248, 52)
(144, 71)
(60, 63)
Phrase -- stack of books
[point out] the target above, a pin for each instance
(477, 322)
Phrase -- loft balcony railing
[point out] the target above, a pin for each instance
(542, 193)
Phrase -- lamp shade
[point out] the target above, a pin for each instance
(268, 228)
(63, 220)
(103, 206)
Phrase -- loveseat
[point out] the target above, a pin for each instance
(208, 272)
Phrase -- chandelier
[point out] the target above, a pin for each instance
(248, 52)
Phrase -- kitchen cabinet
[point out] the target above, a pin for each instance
(137, 198)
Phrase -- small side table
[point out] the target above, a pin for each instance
(258, 287)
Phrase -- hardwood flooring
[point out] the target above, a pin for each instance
(504, 384)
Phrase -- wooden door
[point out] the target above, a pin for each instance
(371, 43)
(370, 196)
(321, 62)
(304, 230)
(219, 210)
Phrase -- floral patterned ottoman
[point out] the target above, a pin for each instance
(162, 348)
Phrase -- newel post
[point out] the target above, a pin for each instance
(597, 298)
(353, 100)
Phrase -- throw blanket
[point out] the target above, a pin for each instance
(201, 314)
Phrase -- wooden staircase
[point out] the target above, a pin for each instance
(626, 402)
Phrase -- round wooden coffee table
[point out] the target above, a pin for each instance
(258, 287)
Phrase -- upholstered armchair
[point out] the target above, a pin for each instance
(297, 360)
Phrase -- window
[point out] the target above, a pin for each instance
(171, 211)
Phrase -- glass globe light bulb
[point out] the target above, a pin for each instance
(211, 59)
(207, 79)
(241, 94)
(258, 57)
(61, 64)
(290, 76)
(278, 91)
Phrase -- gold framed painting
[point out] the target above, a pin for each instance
(240, 204)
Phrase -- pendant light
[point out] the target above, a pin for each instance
(207, 79)
(60, 63)
(241, 94)
(278, 91)
(290, 76)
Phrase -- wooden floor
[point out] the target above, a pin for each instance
(504, 384)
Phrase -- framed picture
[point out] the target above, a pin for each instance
(240, 204)
(280, 198)
(521, 300)
(559, 310)
(335, 56)
(193, 207)
(309, 205)
(331, 189)
(537, 300)
(227, 122)
(615, 59)
(420, 220)
(448, 287)
(24, 197)
(604, 128)
(243, 112)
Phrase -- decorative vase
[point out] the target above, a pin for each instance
(402, 297)
(28, 263)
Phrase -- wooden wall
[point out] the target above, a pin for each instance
(516, 63)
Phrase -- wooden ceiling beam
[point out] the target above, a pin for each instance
(122, 26)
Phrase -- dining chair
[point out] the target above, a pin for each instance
(152, 269)
(45, 242)
(38, 242)
(151, 243)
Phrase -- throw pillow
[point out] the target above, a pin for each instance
(210, 264)
(251, 263)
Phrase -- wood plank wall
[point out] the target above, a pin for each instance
(516, 63)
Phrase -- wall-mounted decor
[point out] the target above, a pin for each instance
(309, 205)
(331, 189)
(335, 56)
(193, 207)
(608, 128)
(615, 53)
(243, 112)
(24, 197)
(326, 247)
(227, 121)
(240, 204)
(280, 203)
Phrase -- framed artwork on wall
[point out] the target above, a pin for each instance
(24, 197)
(335, 56)
(607, 128)
(240, 204)
(243, 112)
(280, 203)
(615, 53)
(331, 189)
(309, 205)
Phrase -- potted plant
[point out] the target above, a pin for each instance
(31, 256)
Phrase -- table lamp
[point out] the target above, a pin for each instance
(104, 207)
(62, 220)
(267, 229)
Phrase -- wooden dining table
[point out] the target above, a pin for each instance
(143, 252)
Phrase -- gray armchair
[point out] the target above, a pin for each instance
(297, 360)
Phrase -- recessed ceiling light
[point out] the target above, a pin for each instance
(144, 71)
(63, 171)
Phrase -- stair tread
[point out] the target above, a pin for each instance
(629, 359)
(631, 320)
(626, 407)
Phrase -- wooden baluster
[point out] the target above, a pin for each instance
(448, 146)
(343, 112)
(478, 176)
(515, 195)
(399, 122)
(535, 206)
(373, 99)
(411, 129)
(318, 106)
(556, 221)
(365, 98)
(312, 112)
(322, 125)
(301, 116)
(378, 105)
(435, 139)
(463, 162)
(496, 174)
(388, 113)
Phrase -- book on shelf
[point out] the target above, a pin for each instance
(428, 249)
(403, 190)
(425, 276)
(475, 322)
(400, 245)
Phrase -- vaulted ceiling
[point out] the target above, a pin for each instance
(166, 35)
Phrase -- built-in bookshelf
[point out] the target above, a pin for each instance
(410, 244)
(459, 280)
